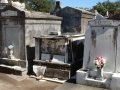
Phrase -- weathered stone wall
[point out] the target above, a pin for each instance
(13, 34)
(67, 48)
(74, 20)
(102, 39)
(71, 20)
(12, 30)
(55, 70)
(39, 27)
(19, 27)
(36, 28)
(1, 41)
(53, 46)
(84, 22)
(62, 71)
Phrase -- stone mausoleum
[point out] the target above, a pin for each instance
(102, 38)
(74, 19)
(17, 28)
(61, 54)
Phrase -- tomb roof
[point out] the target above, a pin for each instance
(29, 14)
(78, 9)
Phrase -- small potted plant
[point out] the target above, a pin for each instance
(100, 63)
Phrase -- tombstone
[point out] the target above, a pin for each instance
(74, 19)
(101, 39)
(18, 27)
(61, 54)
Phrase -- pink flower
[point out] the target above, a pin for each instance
(100, 62)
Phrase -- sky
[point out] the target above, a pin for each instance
(81, 3)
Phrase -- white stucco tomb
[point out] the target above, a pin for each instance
(102, 38)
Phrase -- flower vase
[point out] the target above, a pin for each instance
(99, 74)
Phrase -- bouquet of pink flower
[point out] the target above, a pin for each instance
(99, 62)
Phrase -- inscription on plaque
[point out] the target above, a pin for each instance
(9, 13)
(2, 5)
(104, 22)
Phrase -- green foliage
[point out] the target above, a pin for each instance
(38, 5)
(118, 4)
(41, 5)
(100, 8)
(111, 7)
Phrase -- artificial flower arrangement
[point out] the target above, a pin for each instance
(99, 62)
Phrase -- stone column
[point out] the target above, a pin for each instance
(37, 49)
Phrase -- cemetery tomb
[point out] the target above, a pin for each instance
(102, 40)
(18, 26)
(74, 19)
(59, 53)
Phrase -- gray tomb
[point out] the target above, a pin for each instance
(61, 54)
(102, 38)
(17, 28)
(74, 19)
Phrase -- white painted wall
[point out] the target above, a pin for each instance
(101, 40)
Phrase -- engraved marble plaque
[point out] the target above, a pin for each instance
(9, 13)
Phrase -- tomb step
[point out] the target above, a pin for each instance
(15, 70)
(98, 83)
(13, 62)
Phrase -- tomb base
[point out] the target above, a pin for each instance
(13, 62)
(58, 70)
(55, 70)
(89, 78)
(15, 70)
(115, 82)
(13, 66)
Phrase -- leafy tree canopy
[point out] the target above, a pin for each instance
(39, 5)
(112, 7)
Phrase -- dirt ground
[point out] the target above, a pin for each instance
(10, 83)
